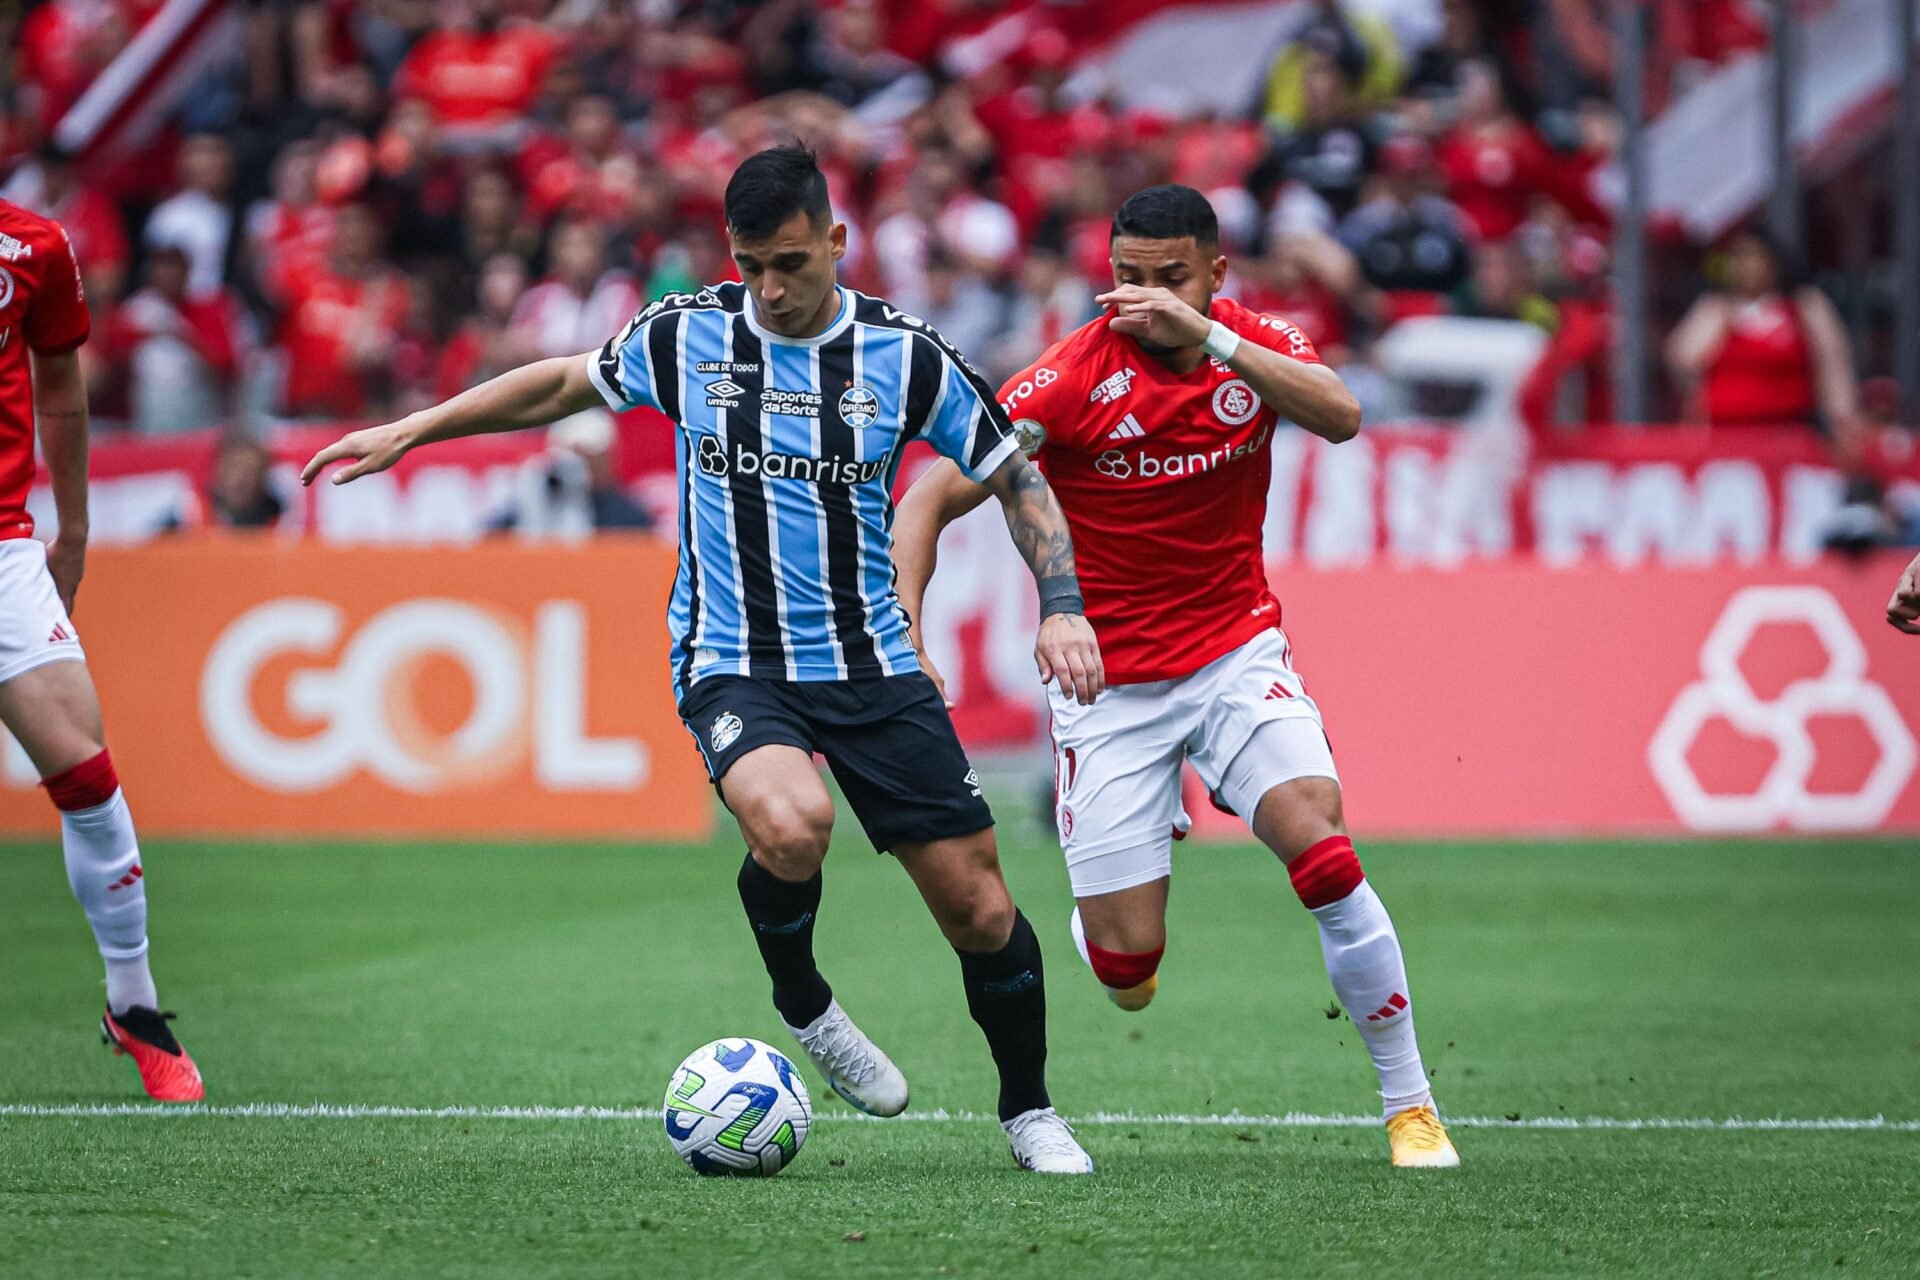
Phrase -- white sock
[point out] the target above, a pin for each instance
(103, 866)
(1370, 978)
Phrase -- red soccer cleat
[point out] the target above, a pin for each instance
(166, 1071)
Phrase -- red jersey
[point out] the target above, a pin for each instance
(1764, 372)
(328, 318)
(476, 78)
(43, 309)
(1163, 478)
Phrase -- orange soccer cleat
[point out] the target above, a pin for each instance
(1419, 1141)
(166, 1071)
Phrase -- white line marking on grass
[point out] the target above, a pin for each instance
(1233, 1120)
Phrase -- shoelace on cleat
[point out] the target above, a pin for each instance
(1044, 1133)
(1422, 1127)
(841, 1050)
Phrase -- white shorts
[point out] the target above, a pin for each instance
(1245, 723)
(34, 627)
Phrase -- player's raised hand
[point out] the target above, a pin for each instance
(371, 448)
(1154, 315)
(1067, 650)
(1903, 611)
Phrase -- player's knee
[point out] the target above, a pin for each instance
(979, 917)
(1297, 816)
(87, 783)
(790, 836)
(1124, 970)
(1326, 872)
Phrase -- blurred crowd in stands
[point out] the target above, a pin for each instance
(381, 203)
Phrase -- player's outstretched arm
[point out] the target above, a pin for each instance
(530, 396)
(1066, 648)
(940, 496)
(60, 414)
(1311, 395)
(1903, 611)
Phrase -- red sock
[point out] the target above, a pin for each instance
(1122, 970)
(1326, 873)
(89, 783)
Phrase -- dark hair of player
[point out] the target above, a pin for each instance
(1167, 212)
(770, 187)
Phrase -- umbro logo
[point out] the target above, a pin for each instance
(1396, 1003)
(724, 394)
(1128, 428)
(972, 780)
(1277, 691)
(1009, 986)
(1113, 388)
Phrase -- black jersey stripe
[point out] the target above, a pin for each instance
(665, 349)
(841, 554)
(752, 530)
(663, 354)
(926, 373)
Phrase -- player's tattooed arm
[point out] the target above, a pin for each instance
(530, 396)
(1067, 648)
(1034, 517)
(60, 416)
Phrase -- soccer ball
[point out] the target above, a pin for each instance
(737, 1106)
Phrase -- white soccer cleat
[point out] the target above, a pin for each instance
(853, 1065)
(1044, 1143)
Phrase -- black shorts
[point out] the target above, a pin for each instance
(888, 740)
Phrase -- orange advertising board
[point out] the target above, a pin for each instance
(1520, 699)
(262, 686)
(258, 685)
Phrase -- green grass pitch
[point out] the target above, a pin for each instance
(1632, 982)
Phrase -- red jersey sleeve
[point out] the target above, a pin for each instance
(1272, 332)
(57, 318)
(1037, 401)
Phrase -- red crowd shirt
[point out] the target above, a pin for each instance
(43, 309)
(1163, 479)
(476, 78)
(1764, 372)
(327, 316)
(1490, 175)
(290, 243)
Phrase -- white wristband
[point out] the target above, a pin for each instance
(1221, 342)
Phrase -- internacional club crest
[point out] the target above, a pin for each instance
(1235, 403)
(859, 407)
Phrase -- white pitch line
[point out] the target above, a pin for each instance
(1231, 1120)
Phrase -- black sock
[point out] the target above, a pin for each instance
(1007, 996)
(781, 913)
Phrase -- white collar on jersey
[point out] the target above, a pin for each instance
(832, 331)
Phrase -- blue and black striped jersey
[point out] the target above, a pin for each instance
(787, 453)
